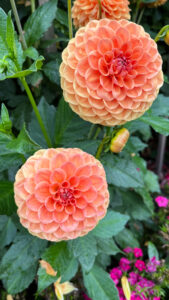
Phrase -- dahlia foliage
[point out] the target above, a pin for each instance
(79, 189)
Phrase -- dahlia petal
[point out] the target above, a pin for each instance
(42, 164)
(58, 207)
(29, 185)
(42, 191)
(91, 44)
(69, 225)
(49, 228)
(103, 94)
(123, 34)
(57, 161)
(20, 190)
(34, 227)
(45, 216)
(93, 60)
(19, 175)
(58, 176)
(106, 83)
(33, 203)
(97, 181)
(83, 66)
(50, 204)
(103, 68)
(28, 169)
(104, 45)
(84, 183)
(70, 209)
(60, 217)
(89, 211)
(104, 31)
(90, 222)
(81, 203)
(84, 171)
(100, 211)
(69, 169)
(92, 78)
(53, 188)
(91, 194)
(99, 200)
(42, 175)
(77, 160)
(32, 216)
(78, 215)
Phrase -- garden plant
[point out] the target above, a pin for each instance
(84, 167)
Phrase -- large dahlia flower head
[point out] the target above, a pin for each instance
(61, 194)
(84, 11)
(111, 72)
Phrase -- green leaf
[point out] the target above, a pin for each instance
(7, 231)
(51, 70)
(62, 17)
(126, 239)
(159, 124)
(152, 251)
(23, 144)
(31, 52)
(44, 280)
(61, 259)
(107, 246)
(19, 264)
(39, 22)
(5, 124)
(48, 115)
(135, 145)
(33, 68)
(160, 107)
(64, 116)
(122, 172)
(7, 204)
(148, 200)
(151, 181)
(99, 285)
(85, 249)
(3, 19)
(89, 146)
(111, 225)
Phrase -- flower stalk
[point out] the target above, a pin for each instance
(69, 5)
(33, 6)
(38, 116)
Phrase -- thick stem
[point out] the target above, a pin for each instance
(33, 6)
(18, 24)
(69, 5)
(100, 9)
(38, 116)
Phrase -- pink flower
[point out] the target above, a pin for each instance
(128, 250)
(167, 217)
(124, 264)
(144, 283)
(120, 290)
(156, 298)
(133, 278)
(61, 194)
(152, 264)
(140, 265)
(115, 274)
(85, 297)
(138, 252)
(162, 201)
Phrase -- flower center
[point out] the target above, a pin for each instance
(65, 196)
(119, 65)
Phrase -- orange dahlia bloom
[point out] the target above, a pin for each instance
(111, 72)
(84, 11)
(61, 194)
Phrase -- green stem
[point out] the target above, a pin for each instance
(92, 129)
(33, 6)
(97, 133)
(38, 116)
(18, 24)
(136, 11)
(69, 5)
(141, 15)
(100, 9)
(100, 148)
(158, 36)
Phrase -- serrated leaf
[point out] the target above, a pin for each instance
(151, 181)
(148, 200)
(19, 264)
(159, 124)
(110, 225)
(31, 52)
(7, 204)
(38, 23)
(126, 239)
(51, 70)
(3, 19)
(62, 260)
(5, 123)
(107, 246)
(85, 249)
(23, 144)
(7, 231)
(99, 285)
(122, 172)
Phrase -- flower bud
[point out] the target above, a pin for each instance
(126, 287)
(119, 141)
(166, 39)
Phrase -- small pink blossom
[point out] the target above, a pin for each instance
(161, 201)
(144, 283)
(117, 272)
(124, 264)
(152, 265)
(133, 278)
(167, 217)
(156, 298)
(140, 265)
(138, 252)
(128, 250)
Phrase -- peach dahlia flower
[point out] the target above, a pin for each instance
(111, 72)
(61, 194)
(84, 11)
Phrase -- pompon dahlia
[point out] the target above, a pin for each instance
(84, 11)
(61, 194)
(111, 72)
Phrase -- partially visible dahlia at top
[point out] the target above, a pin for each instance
(111, 72)
(84, 11)
(61, 194)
